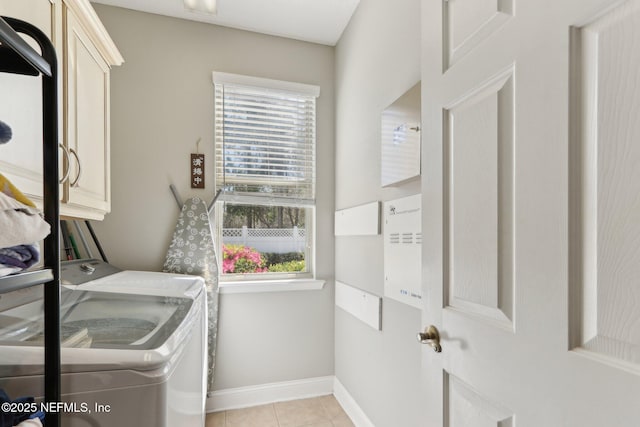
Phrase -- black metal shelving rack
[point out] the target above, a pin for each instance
(18, 57)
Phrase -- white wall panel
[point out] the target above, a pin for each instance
(363, 220)
(360, 304)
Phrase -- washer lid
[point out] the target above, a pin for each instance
(130, 300)
(148, 283)
(100, 320)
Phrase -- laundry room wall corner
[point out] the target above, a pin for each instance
(161, 103)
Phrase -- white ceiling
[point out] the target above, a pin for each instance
(317, 21)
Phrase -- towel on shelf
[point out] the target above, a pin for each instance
(38, 416)
(21, 257)
(31, 422)
(21, 224)
(22, 228)
(12, 191)
(5, 271)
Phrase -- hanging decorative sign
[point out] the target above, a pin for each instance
(197, 168)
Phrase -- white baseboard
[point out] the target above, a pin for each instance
(243, 397)
(350, 406)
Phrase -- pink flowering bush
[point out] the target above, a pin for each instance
(242, 259)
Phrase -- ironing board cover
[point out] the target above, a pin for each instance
(192, 251)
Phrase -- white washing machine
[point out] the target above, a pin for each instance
(133, 347)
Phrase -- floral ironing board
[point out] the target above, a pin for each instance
(192, 251)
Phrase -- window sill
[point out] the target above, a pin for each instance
(256, 286)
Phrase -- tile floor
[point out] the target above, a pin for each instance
(323, 411)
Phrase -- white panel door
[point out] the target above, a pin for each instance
(531, 212)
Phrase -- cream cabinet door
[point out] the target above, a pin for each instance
(87, 193)
(21, 105)
(531, 212)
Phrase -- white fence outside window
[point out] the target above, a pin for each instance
(276, 240)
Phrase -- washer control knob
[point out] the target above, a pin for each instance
(87, 269)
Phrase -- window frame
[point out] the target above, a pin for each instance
(261, 282)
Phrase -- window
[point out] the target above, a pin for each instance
(265, 148)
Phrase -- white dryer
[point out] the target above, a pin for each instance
(133, 347)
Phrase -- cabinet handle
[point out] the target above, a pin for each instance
(75, 154)
(65, 151)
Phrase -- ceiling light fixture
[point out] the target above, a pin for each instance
(206, 6)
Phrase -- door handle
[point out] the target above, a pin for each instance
(67, 163)
(430, 336)
(75, 154)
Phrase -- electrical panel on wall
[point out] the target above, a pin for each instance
(403, 250)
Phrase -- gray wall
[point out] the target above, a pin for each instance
(377, 60)
(161, 102)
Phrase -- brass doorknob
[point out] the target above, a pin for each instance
(430, 336)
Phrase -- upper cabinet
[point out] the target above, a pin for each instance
(86, 54)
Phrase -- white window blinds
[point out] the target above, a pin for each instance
(265, 140)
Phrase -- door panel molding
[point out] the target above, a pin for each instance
(605, 187)
(478, 133)
(465, 406)
(466, 23)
